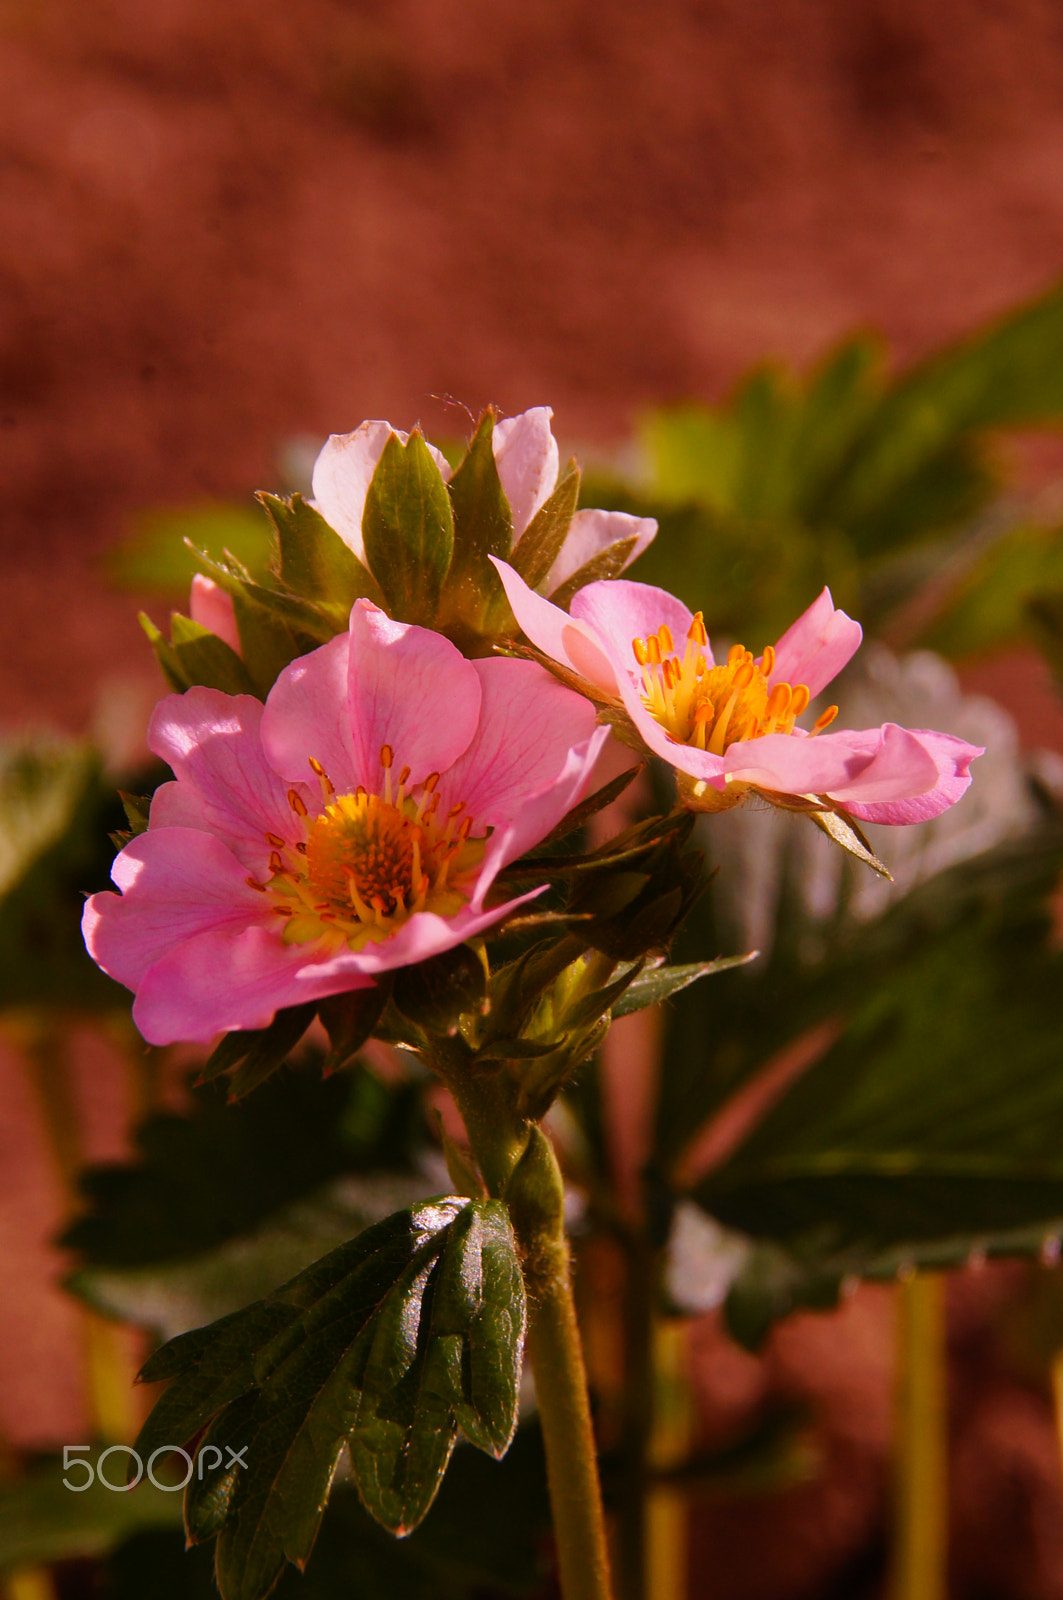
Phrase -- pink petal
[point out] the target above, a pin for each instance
(591, 533)
(342, 474)
(818, 645)
(527, 461)
(411, 689)
(212, 608)
(306, 715)
(225, 784)
(620, 611)
(226, 979)
(528, 723)
(540, 812)
(175, 883)
(555, 633)
(886, 763)
(953, 759)
(425, 934)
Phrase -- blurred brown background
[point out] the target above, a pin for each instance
(224, 227)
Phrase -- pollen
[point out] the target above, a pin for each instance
(370, 861)
(712, 707)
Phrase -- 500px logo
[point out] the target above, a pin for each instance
(74, 1458)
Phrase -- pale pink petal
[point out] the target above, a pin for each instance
(870, 765)
(212, 608)
(818, 645)
(555, 633)
(225, 784)
(527, 461)
(591, 533)
(411, 689)
(953, 759)
(306, 715)
(425, 934)
(620, 611)
(175, 883)
(226, 979)
(540, 812)
(528, 724)
(342, 474)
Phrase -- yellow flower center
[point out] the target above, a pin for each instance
(713, 707)
(368, 862)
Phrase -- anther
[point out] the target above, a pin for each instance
(640, 652)
(301, 847)
(430, 782)
(275, 840)
(778, 700)
(297, 803)
(275, 862)
(387, 756)
(736, 655)
(253, 883)
(824, 719)
(767, 660)
(800, 700)
(744, 676)
(283, 911)
(696, 631)
(404, 777)
(327, 788)
(653, 649)
(664, 635)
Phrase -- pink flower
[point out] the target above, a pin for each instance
(730, 728)
(527, 459)
(212, 608)
(353, 824)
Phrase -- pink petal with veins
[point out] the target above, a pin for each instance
(817, 646)
(527, 461)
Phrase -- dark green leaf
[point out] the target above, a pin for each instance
(580, 815)
(408, 527)
(256, 1053)
(314, 562)
(658, 983)
(435, 994)
(540, 543)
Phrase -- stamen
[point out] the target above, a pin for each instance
(284, 911)
(275, 862)
(387, 756)
(327, 788)
(404, 777)
(253, 883)
(779, 700)
(664, 635)
(767, 660)
(640, 652)
(696, 631)
(800, 700)
(653, 650)
(736, 654)
(430, 782)
(297, 803)
(824, 720)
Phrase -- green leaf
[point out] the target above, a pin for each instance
(659, 983)
(385, 1344)
(314, 562)
(934, 1121)
(41, 1520)
(408, 527)
(157, 559)
(218, 1172)
(258, 1052)
(540, 544)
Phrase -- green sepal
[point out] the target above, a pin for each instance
(844, 831)
(608, 563)
(349, 1020)
(408, 528)
(434, 994)
(137, 808)
(313, 560)
(658, 983)
(256, 1053)
(580, 815)
(483, 526)
(193, 655)
(540, 544)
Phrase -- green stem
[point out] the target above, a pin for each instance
(637, 1415)
(518, 1164)
(920, 1544)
